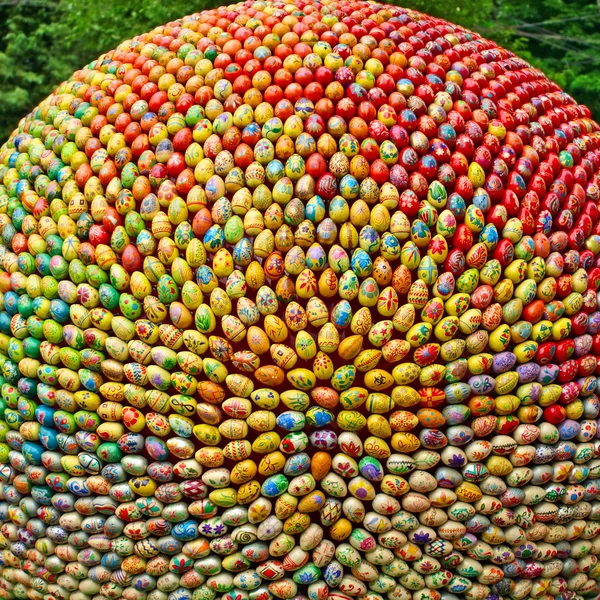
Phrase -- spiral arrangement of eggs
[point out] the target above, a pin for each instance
(300, 301)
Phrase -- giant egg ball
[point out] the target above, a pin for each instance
(300, 301)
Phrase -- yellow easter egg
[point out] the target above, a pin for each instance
(506, 382)
(328, 338)
(262, 420)
(220, 302)
(379, 404)
(275, 328)
(561, 329)
(480, 363)
(503, 291)
(403, 420)
(377, 447)
(490, 272)
(226, 497)
(350, 420)
(476, 174)
(516, 270)
(469, 321)
(395, 350)
(447, 328)
(247, 492)
(405, 396)
(302, 379)
(271, 464)
(394, 485)
(266, 442)
(457, 304)
(506, 404)
(283, 356)
(367, 359)
(243, 472)
(525, 351)
(255, 275)
(140, 285)
(350, 347)
(419, 334)
(418, 294)
(323, 366)
(468, 492)
(266, 398)
(191, 295)
(341, 530)
(306, 346)
(195, 253)
(499, 466)
(499, 339)
(432, 375)
(361, 321)
(205, 319)
(406, 373)
(438, 249)
(258, 340)
(378, 379)
(316, 312)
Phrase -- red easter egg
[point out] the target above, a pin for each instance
(131, 259)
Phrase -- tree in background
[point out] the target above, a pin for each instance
(26, 65)
(44, 41)
(560, 37)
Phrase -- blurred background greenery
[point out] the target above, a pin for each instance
(43, 41)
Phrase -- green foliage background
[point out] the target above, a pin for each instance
(43, 41)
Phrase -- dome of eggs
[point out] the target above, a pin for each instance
(300, 301)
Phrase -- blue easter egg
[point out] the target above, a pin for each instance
(48, 438)
(32, 452)
(291, 420)
(317, 416)
(457, 392)
(568, 429)
(341, 314)
(187, 530)
(242, 252)
(59, 310)
(489, 236)
(214, 238)
(349, 187)
(361, 263)
(78, 486)
(333, 574)
(44, 415)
